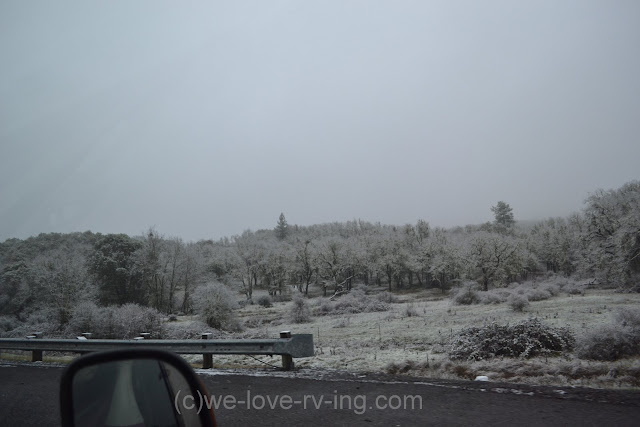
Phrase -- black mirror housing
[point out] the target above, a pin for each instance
(132, 387)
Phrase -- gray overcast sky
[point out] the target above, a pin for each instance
(207, 118)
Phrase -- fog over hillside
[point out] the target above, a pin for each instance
(207, 118)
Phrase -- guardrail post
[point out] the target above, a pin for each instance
(287, 360)
(207, 359)
(36, 355)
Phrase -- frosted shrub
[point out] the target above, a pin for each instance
(346, 304)
(516, 295)
(573, 288)
(350, 303)
(613, 341)
(358, 292)
(300, 312)
(526, 339)
(551, 288)
(216, 305)
(494, 296)
(466, 295)
(537, 294)
(374, 305)
(387, 297)
(8, 323)
(354, 302)
(517, 302)
(85, 317)
(343, 322)
(190, 330)
(628, 317)
(45, 321)
(410, 310)
(609, 342)
(265, 301)
(38, 321)
(114, 322)
(324, 307)
(131, 319)
(282, 297)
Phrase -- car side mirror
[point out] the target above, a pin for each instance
(132, 388)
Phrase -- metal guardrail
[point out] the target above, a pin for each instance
(288, 345)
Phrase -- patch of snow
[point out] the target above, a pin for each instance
(516, 391)
(513, 390)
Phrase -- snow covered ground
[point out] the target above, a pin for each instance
(417, 328)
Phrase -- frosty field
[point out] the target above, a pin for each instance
(411, 338)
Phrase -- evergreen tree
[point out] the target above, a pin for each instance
(503, 214)
(114, 268)
(282, 228)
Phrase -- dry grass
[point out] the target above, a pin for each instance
(373, 341)
(540, 371)
(416, 344)
(25, 356)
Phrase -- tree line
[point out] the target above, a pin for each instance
(47, 275)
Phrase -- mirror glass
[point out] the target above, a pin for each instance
(136, 392)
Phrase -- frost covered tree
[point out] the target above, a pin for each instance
(445, 259)
(170, 269)
(331, 260)
(150, 266)
(274, 268)
(503, 214)
(114, 266)
(416, 262)
(282, 228)
(193, 272)
(422, 231)
(494, 258)
(246, 261)
(15, 291)
(61, 281)
(613, 235)
(555, 242)
(304, 266)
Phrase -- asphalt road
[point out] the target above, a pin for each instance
(29, 397)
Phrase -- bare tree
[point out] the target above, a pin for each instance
(493, 257)
(249, 253)
(304, 264)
